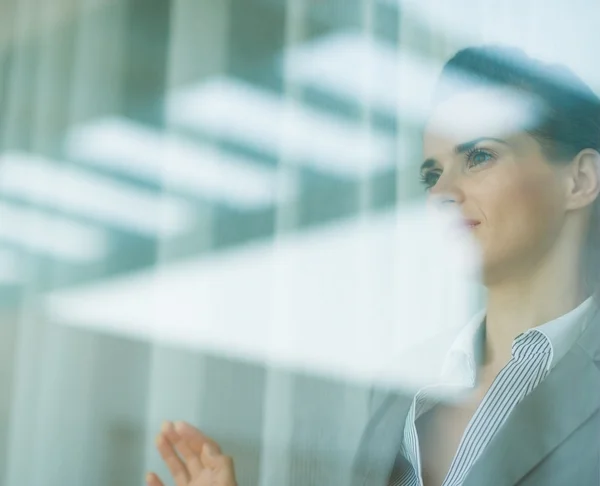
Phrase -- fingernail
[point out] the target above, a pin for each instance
(149, 478)
(158, 439)
(179, 425)
(166, 426)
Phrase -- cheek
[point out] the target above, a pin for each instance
(521, 215)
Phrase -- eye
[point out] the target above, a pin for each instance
(478, 156)
(430, 178)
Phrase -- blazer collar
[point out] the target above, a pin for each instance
(547, 416)
(536, 434)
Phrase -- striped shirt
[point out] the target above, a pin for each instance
(534, 354)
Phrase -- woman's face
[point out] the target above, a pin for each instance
(479, 158)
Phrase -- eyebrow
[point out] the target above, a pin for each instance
(462, 148)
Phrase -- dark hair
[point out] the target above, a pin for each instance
(569, 120)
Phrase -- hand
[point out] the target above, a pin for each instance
(192, 458)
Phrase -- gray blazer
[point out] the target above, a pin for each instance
(552, 438)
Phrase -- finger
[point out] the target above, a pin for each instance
(153, 480)
(194, 437)
(227, 472)
(175, 465)
(192, 460)
(190, 451)
(189, 454)
(218, 462)
(168, 430)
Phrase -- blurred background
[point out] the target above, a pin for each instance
(208, 212)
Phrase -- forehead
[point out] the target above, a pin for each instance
(496, 113)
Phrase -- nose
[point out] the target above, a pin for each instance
(443, 200)
(447, 191)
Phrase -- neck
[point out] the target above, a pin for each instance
(551, 289)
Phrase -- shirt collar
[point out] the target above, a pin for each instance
(460, 364)
(564, 331)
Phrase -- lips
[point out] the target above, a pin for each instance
(470, 223)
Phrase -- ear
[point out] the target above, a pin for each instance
(583, 179)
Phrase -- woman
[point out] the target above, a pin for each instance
(513, 143)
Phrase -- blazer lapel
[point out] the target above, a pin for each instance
(541, 422)
(381, 442)
(545, 418)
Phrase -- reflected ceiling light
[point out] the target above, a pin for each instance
(181, 165)
(452, 22)
(54, 184)
(355, 67)
(51, 235)
(399, 82)
(286, 303)
(235, 110)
